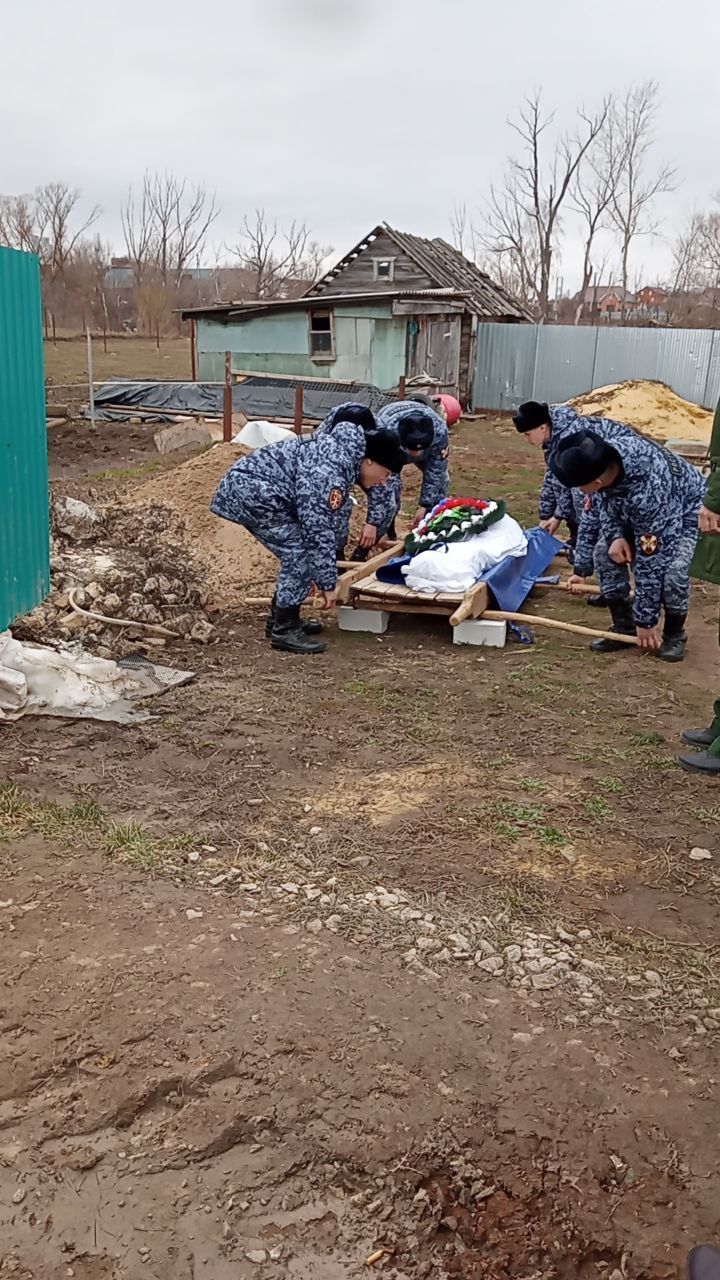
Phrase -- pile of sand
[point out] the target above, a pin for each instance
(652, 407)
(235, 564)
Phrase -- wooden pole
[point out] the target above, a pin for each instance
(91, 388)
(157, 334)
(298, 412)
(105, 339)
(582, 589)
(532, 620)
(227, 400)
(401, 388)
(193, 357)
(53, 330)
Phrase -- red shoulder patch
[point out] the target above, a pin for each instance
(336, 498)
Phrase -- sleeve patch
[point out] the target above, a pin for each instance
(336, 498)
(649, 544)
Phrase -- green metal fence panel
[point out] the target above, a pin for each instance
(24, 514)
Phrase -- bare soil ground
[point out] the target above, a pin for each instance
(395, 954)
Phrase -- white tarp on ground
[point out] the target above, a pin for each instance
(455, 566)
(37, 680)
(256, 434)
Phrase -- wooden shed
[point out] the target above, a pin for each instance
(395, 306)
(440, 338)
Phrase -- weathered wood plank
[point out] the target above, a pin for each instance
(354, 575)
(474, 603)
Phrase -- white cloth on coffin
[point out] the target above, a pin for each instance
(455, 566)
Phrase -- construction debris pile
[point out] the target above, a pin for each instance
(119, 566)
(651, 407)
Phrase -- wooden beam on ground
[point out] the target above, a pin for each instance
(584, 589)
(534, 620)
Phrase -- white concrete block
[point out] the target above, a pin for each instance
(373, 620)
(481, 631)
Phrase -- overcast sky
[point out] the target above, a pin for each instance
(341, 112)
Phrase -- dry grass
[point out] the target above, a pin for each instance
(126, 357)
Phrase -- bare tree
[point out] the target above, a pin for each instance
(591, 197)
(523, 219)
(165, 227)
(635, 183)
(283, 263)
(694, 290)
(460, 227)
(19, 223)
(58, 226)
(137, 224)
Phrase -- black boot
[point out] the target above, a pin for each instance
(289, 634)
(674, 638)
(622, 621)
(598, 601)
(311, 627)
(700, 737)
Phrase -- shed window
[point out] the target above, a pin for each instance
(322, 335)
(383, 269)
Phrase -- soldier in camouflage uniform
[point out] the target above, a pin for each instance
(351, 411)
(426, 443)
(648, 501)
(544, 427)
(289, 495)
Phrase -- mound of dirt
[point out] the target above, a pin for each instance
(652, 407)
(235, 565)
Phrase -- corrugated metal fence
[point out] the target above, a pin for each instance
(554, 362)
(24, 532)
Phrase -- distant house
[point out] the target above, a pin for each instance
(607, 301)
(651, 303)
(396, 305)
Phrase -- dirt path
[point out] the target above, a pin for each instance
(181, 1095)
(402, 948)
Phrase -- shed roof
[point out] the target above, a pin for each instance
(234, 310)
(446, 267)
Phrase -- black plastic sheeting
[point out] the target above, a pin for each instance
(256, 397)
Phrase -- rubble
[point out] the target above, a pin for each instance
(127, 565)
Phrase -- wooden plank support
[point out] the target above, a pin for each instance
(473, 604)
(363, 570)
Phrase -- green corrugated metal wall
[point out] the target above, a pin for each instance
(369, 345)
(24, 515)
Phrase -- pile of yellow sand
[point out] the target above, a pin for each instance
(236, 565)
(651, 407)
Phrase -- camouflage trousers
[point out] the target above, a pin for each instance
(285, 541)
(614, 578)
